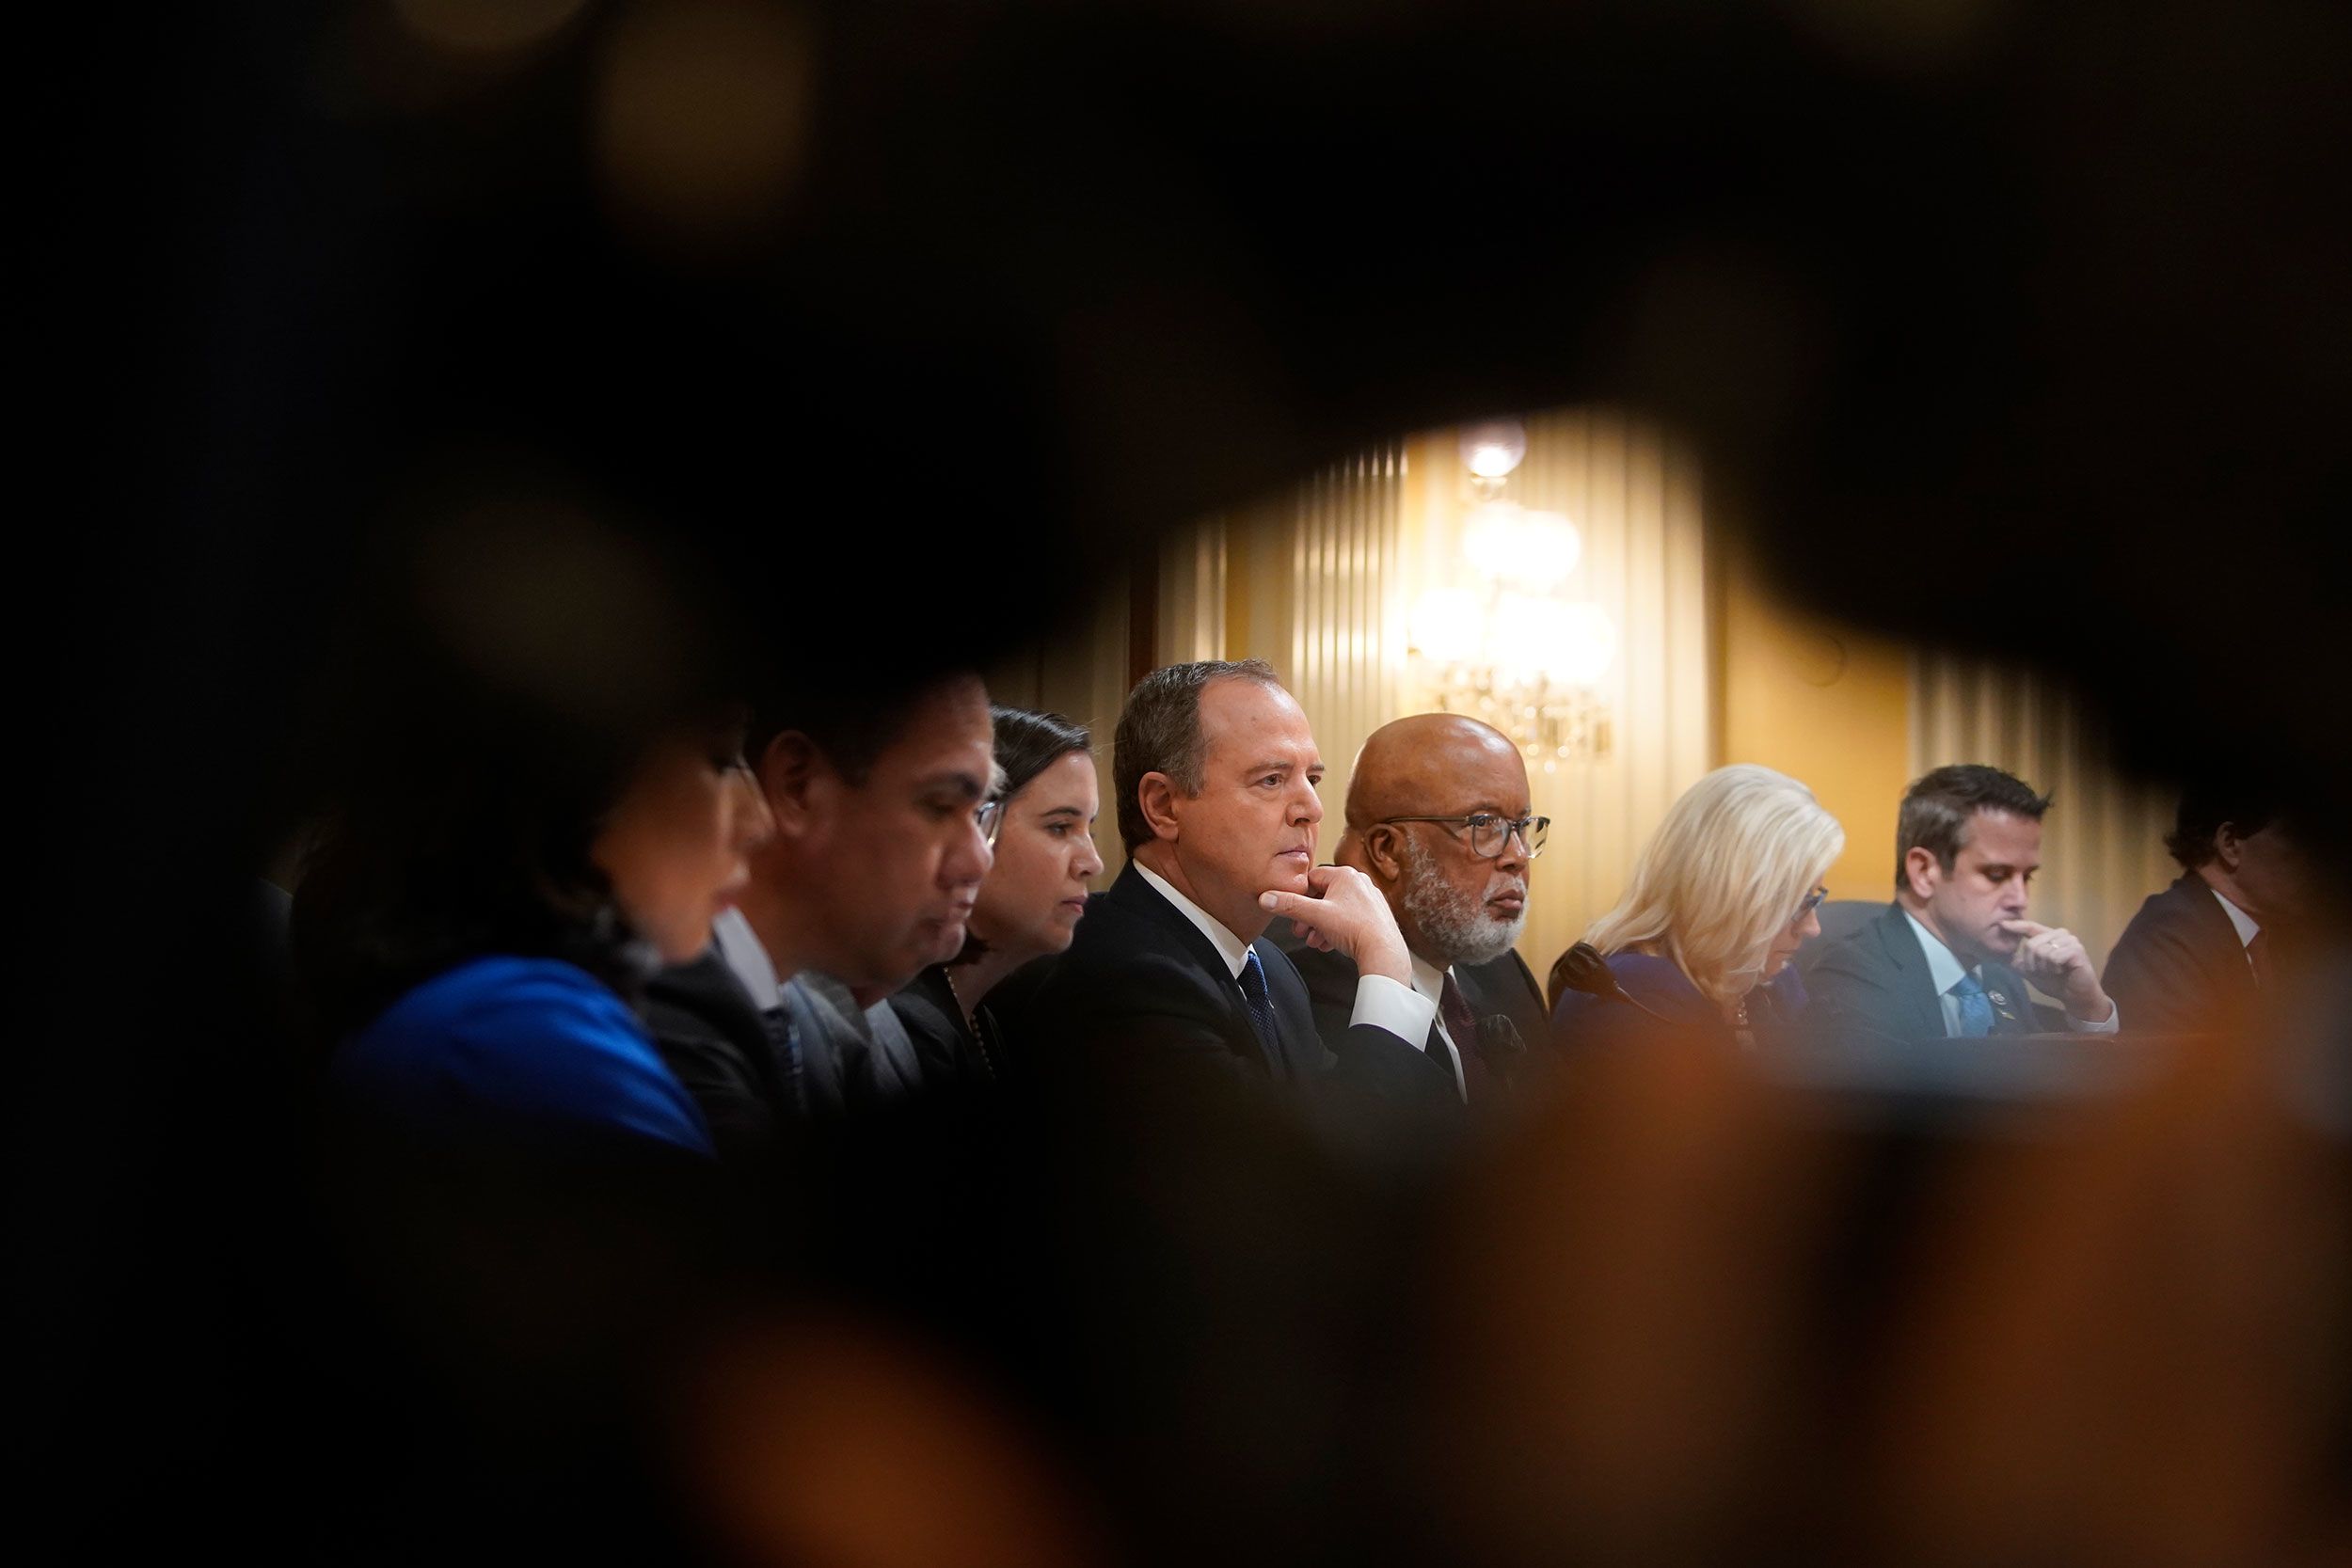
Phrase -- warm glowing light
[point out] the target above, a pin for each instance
(1494, 448)
(1529, 550)
(1542, 642)
(702, 116)
(1445, 625)
(1584, 645)
(482, 27)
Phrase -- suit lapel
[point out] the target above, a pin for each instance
(1293, 1014)
(2012, 1006)
(1133, 894)
(1923, 1010)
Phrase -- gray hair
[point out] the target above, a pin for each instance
(1159, 732)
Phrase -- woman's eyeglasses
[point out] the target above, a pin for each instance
(1812, 902)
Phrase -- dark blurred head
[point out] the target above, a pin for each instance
(518, 750)
(2240, 837)
(875, 785)
(1036, 893)
(1967, 843)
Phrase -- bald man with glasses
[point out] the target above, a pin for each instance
(1438, 817)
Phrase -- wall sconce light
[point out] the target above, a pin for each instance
(1512, 651)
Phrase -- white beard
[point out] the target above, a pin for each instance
(1463, 929)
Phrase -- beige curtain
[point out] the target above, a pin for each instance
(1634, 495)
(2103, 843)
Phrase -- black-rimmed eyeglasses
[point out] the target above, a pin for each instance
(1812, 902)
(1489, 833)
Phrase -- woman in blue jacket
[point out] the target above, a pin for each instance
(1722, 897)
(474, 928)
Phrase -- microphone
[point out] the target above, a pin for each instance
(1582, 967)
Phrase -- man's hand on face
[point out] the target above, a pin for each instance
(2054, 961)
(1343, 911)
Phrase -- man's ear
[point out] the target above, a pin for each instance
(2227, 848)
(1381, 856)
(1922, 871)
(790, 771)
(1155, 797)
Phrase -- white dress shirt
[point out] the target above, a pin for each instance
(1402, 1010)
(1429, 980)
(2247, 927)
(739, 946)
(1947, 970)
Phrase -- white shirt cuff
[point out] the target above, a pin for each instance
(2083, 1026)
(1398, 1008)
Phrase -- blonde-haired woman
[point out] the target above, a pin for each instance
(1723, 895)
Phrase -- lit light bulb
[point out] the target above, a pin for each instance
(1491, 540)
(1550, 548)
(1445, 625)
(1494, 448)
(1585, 643)
(1529, 550)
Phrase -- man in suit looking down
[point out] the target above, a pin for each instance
(1169, 980)
(1438, 817)
(2200, 954)
(1951, 955)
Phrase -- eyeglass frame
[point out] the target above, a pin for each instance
(989, 816)
(1813, 900)
(1531, 829)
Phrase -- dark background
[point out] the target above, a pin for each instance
(2019, 329)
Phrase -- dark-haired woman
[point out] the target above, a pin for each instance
(472, 932)
(1029, 906)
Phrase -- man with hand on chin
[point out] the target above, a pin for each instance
(1951, 955)
(1170, 980)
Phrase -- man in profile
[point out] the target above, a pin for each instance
(1950, 957)
(1439, 816)
(1169, 983)
(880, 800)
(2200, 954)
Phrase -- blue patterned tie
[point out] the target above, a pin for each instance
(1976, 1008)
(1253, 990)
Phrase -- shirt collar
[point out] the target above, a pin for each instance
(1230, 947)
(739, 946)
(1943, 966)
(1428, 978)
(2246, 925)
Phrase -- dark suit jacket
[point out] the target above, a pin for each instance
(1665, 1005)
(952, 1056)
(2179, 965)
(1502, 986)
(1875, 984)
(1143, 998)
(715, 1042)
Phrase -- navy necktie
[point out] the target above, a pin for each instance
(1462, 1025)
(1976, 1008)
(1252, 979)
